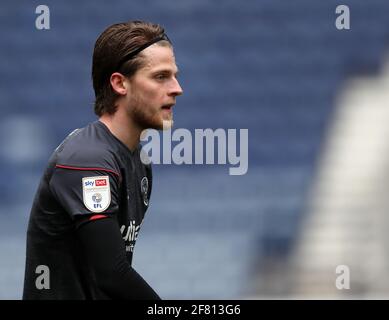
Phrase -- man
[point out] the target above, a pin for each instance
(95, 191)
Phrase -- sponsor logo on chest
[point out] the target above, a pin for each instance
(130, 234)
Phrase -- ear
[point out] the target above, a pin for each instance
(118, 83)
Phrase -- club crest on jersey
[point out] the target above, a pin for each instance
(96, 193)
(144, 188)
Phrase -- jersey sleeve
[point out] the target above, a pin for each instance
(105, 252)
(86, 191)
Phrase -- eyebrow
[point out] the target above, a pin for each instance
(166, 71)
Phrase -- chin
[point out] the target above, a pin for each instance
(167, 124)
(159, 125)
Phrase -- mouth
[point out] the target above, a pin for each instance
(168, 107)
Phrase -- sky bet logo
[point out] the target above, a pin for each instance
(99, 183)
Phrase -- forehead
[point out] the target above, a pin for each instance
(158, 57)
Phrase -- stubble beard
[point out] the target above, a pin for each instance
(147, 118)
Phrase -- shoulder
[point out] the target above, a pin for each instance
(87, 148)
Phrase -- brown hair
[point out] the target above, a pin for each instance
(112, 45)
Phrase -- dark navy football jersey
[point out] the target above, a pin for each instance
(91, 173)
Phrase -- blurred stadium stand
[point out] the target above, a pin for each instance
(274, 67)
(347, 222)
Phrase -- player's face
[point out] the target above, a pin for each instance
(154, 88)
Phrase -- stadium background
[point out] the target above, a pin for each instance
(313, 98)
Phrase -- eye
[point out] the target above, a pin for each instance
(161, 76)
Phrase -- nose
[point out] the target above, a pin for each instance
(176, 89)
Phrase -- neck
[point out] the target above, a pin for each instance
(122, 128)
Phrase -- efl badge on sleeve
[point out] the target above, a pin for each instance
(96, 193)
